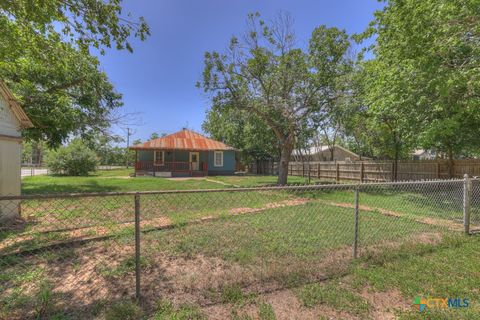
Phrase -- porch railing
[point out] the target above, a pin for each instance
(177, 166)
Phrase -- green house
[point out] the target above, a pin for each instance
(182, 154)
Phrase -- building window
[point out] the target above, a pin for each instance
(218, 158)
(158, 157)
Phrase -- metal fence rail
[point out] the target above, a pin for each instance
(74, 254)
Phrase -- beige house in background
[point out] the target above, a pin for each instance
(323, 153)
(12, 120)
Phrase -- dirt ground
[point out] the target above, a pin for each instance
(85, 276)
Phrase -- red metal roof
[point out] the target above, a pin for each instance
(183, 140)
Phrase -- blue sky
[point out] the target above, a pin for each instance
(158, 79)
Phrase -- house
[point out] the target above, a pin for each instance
(183, 154)
(12, 120)
(324, 153)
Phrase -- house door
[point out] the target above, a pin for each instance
(195, 160)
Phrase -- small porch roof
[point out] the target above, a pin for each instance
(185, 140)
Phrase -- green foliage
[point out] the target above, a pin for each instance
(83, 23)
(335, 296)
(244, 131)
(44, 301)
(76, 159)
(283, 87)
(33, 152)
(424, 75)
(45, 60)
(108, 151)
(126, 310)
(265, 311)
(167, 311)
(232, 294)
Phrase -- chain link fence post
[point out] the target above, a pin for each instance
(355, 239)
(467, 197)
(137, 247)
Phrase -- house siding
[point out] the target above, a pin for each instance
(184, 156)
(145, 155)
(10, 155)
(228, 163)
(9, 125)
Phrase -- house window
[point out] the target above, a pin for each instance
(218, 159)
(158, 157)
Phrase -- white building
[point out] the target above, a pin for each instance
(420, 154)
(12, 120)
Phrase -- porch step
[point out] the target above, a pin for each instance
(143, 173)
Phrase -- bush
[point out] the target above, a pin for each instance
(76, 159)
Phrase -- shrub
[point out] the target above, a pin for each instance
(76, 159)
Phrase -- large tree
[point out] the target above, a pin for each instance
(45, 59)
(426, 55)
(285, 86)
(244, 131)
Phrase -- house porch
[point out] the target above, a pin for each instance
(171, 163)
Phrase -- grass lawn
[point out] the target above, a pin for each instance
(250, 254)
(119, 180)
(257, 181)
(108, 181)
(388, 284)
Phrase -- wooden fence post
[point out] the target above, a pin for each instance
(393, 171)
(303, 169)
(309, 172)
(318, 171)
(362, 171)
(337, 175)
(438, 170)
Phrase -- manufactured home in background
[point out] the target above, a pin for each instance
(12, 120)
(184, 154)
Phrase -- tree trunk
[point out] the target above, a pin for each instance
(395, 164)
(450, 163)
(332, 150)
(285, 154)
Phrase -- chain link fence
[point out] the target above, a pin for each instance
(77, 254)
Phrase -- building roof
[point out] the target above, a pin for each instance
(319, 149)
(15, 106)
(418, 152)
(183, 140)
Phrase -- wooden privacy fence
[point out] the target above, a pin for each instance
(374, 171)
